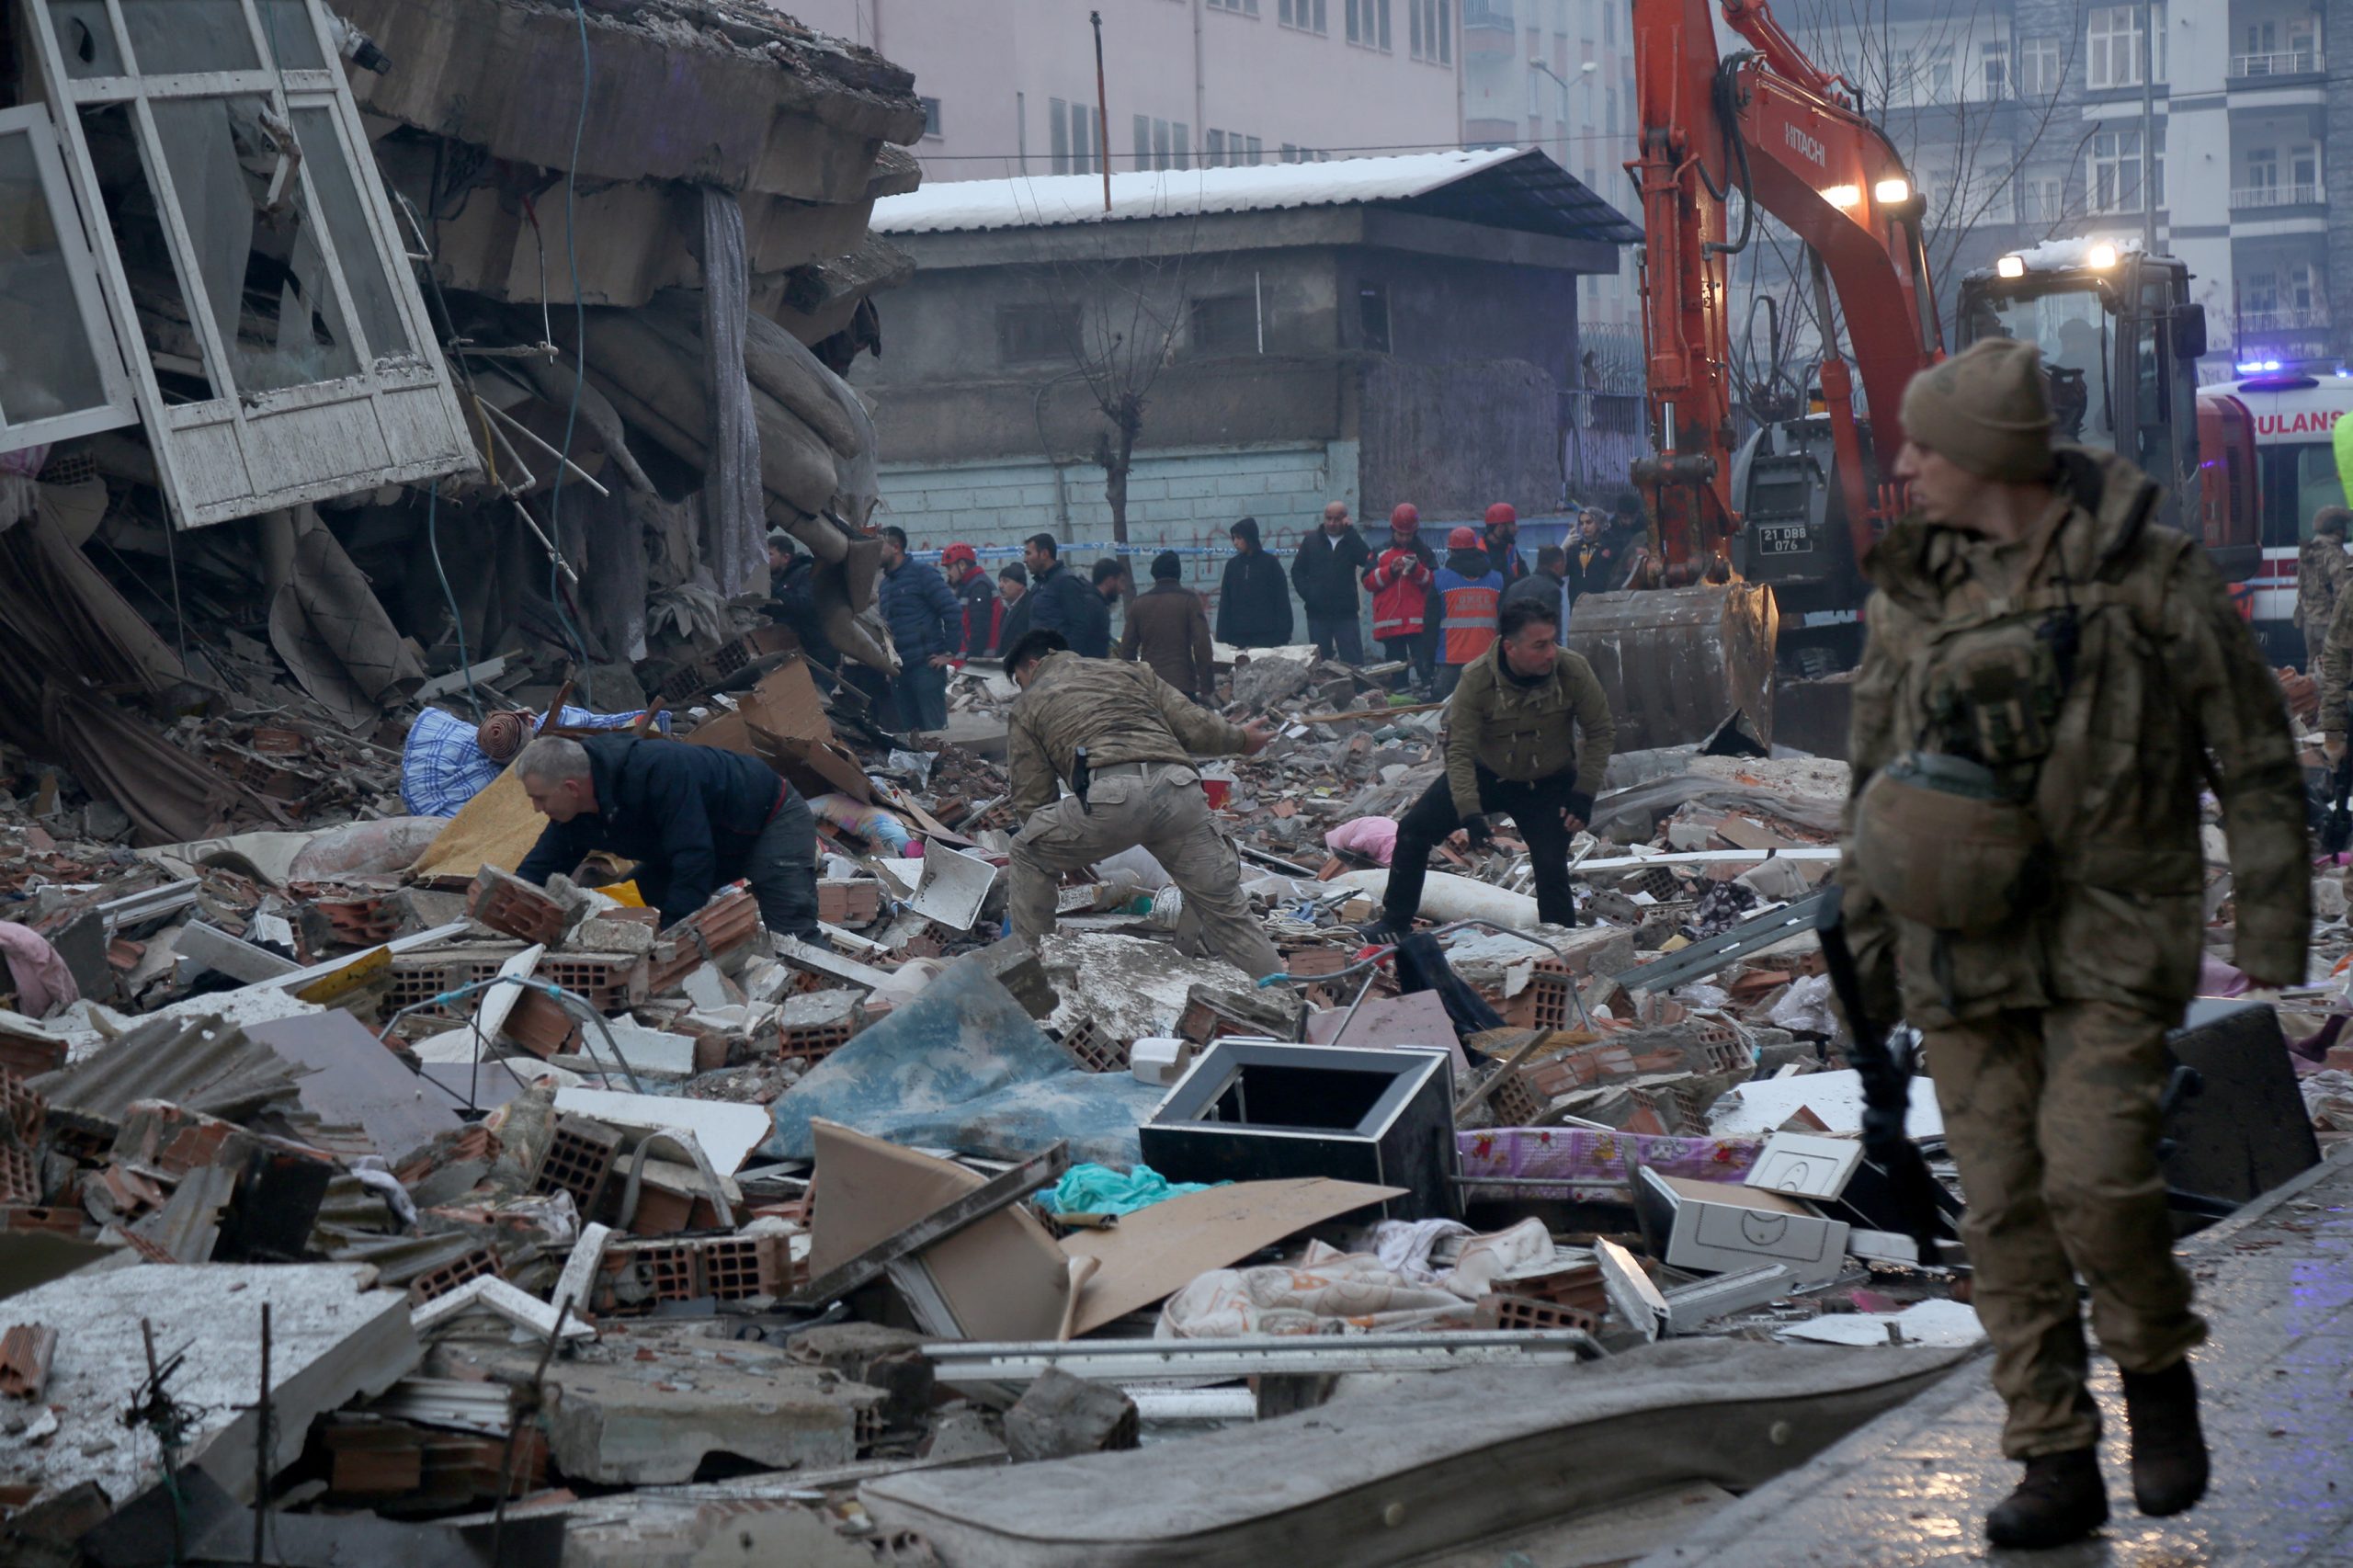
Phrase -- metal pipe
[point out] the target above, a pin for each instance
(1103, 109)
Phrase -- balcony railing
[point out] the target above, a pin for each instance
(2281, 63)
(2293, 319)
(2247, 197)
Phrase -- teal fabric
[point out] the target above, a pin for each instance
(1099, 1189)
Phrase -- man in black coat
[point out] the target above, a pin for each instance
(1252, 599)
(1062, 602)
(1325, 572)
(695, 819)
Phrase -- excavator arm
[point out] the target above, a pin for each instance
(1771, 124)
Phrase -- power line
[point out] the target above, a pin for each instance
(1115, 158)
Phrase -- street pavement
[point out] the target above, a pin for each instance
(2276, 1375)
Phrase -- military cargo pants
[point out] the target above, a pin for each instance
(1160, 806)
(2051, 1116)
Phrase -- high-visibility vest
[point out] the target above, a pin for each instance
(1468, 627)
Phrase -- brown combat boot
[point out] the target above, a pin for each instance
(2168, 1448)
(2061, 1499)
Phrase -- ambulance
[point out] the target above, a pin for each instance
(2294, 409)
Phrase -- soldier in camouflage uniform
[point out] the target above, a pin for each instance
(2332, 666)
(2322, 568)
(2051, 677)
(1139, 733)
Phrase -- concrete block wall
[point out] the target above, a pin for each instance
(1184, 500)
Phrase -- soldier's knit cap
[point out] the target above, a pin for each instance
(1985, 409)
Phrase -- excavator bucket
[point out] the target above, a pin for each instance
(1678, 662)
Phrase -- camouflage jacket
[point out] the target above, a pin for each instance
(1119, 712)
(2162, 690)
(2335, 667)
(1525, 733)
(2322, 567)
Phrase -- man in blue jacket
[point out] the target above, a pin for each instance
(695, 819)
(927, 628)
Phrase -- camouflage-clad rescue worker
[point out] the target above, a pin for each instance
(2052, 673)
(2333, 665)
(1140, 789)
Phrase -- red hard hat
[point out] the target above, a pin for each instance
(1501, 511)
(960, 552)
(1463, 538)
(1405, 518)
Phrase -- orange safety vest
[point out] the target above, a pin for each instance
(1468, 628)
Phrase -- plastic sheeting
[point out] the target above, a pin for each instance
(964, 1066)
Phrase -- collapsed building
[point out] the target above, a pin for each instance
(508, 349)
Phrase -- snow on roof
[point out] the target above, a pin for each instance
(1547, 197)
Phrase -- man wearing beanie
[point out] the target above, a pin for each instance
(1169, 629)
(2052, 676)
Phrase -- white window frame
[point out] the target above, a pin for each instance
(117, 406)
(1994, 82)
(240, 453)
(2040, 60)
(1304, 16)
(2112, 47)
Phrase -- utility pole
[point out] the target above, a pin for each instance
(2148, 131)
(1103, 109)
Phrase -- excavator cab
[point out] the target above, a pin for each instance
(2120, 338)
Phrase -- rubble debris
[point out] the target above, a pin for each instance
(1059, 1416)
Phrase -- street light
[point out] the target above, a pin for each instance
(1585, 74)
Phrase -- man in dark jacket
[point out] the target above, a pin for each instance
(1013, 593)
(1545, 587)
(1324, 572)
(975, 591)
(1169, 629)
(1252, 599)
(694, 818)
(926, 622)
(1062, 603)
(793, 603)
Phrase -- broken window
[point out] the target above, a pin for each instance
(59, 375)
(251, 250)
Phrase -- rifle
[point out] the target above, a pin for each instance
(2337, 828)
(1887, 1090)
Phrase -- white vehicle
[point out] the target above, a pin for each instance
(2293, 411)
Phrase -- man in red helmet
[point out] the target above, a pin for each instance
(1400, 580)
(984, 611)
(1503, 546)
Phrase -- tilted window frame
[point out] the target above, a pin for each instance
(239, 454)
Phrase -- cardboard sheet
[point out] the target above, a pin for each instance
(1158, 1251)
(782, 721)
(1002, 1276)
(496, 827)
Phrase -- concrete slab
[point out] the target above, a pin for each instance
(647, 1406)
(332, 1339)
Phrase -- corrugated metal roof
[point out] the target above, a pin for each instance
(1508, 187)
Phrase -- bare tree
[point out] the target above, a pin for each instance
(1120, 309)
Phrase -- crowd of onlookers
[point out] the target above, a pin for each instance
(1436, 611)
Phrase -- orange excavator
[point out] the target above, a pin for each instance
(1759, 520)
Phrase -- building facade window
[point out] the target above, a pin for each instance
(1430, 30)
(1307, 15)
(1936, 75)
(1074, 137)
(1369, 23)
(1239, 7)
(1222, 325)
(2040, 67)
(1032, 335)
(930, 116)
(2041, 197)
(2114, 185)
(2113, 46)
(1372, 316)
(1994, 69)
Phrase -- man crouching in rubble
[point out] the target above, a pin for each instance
(1528, 735)
(695, 818)
(2051, 675)
(1121, 737)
